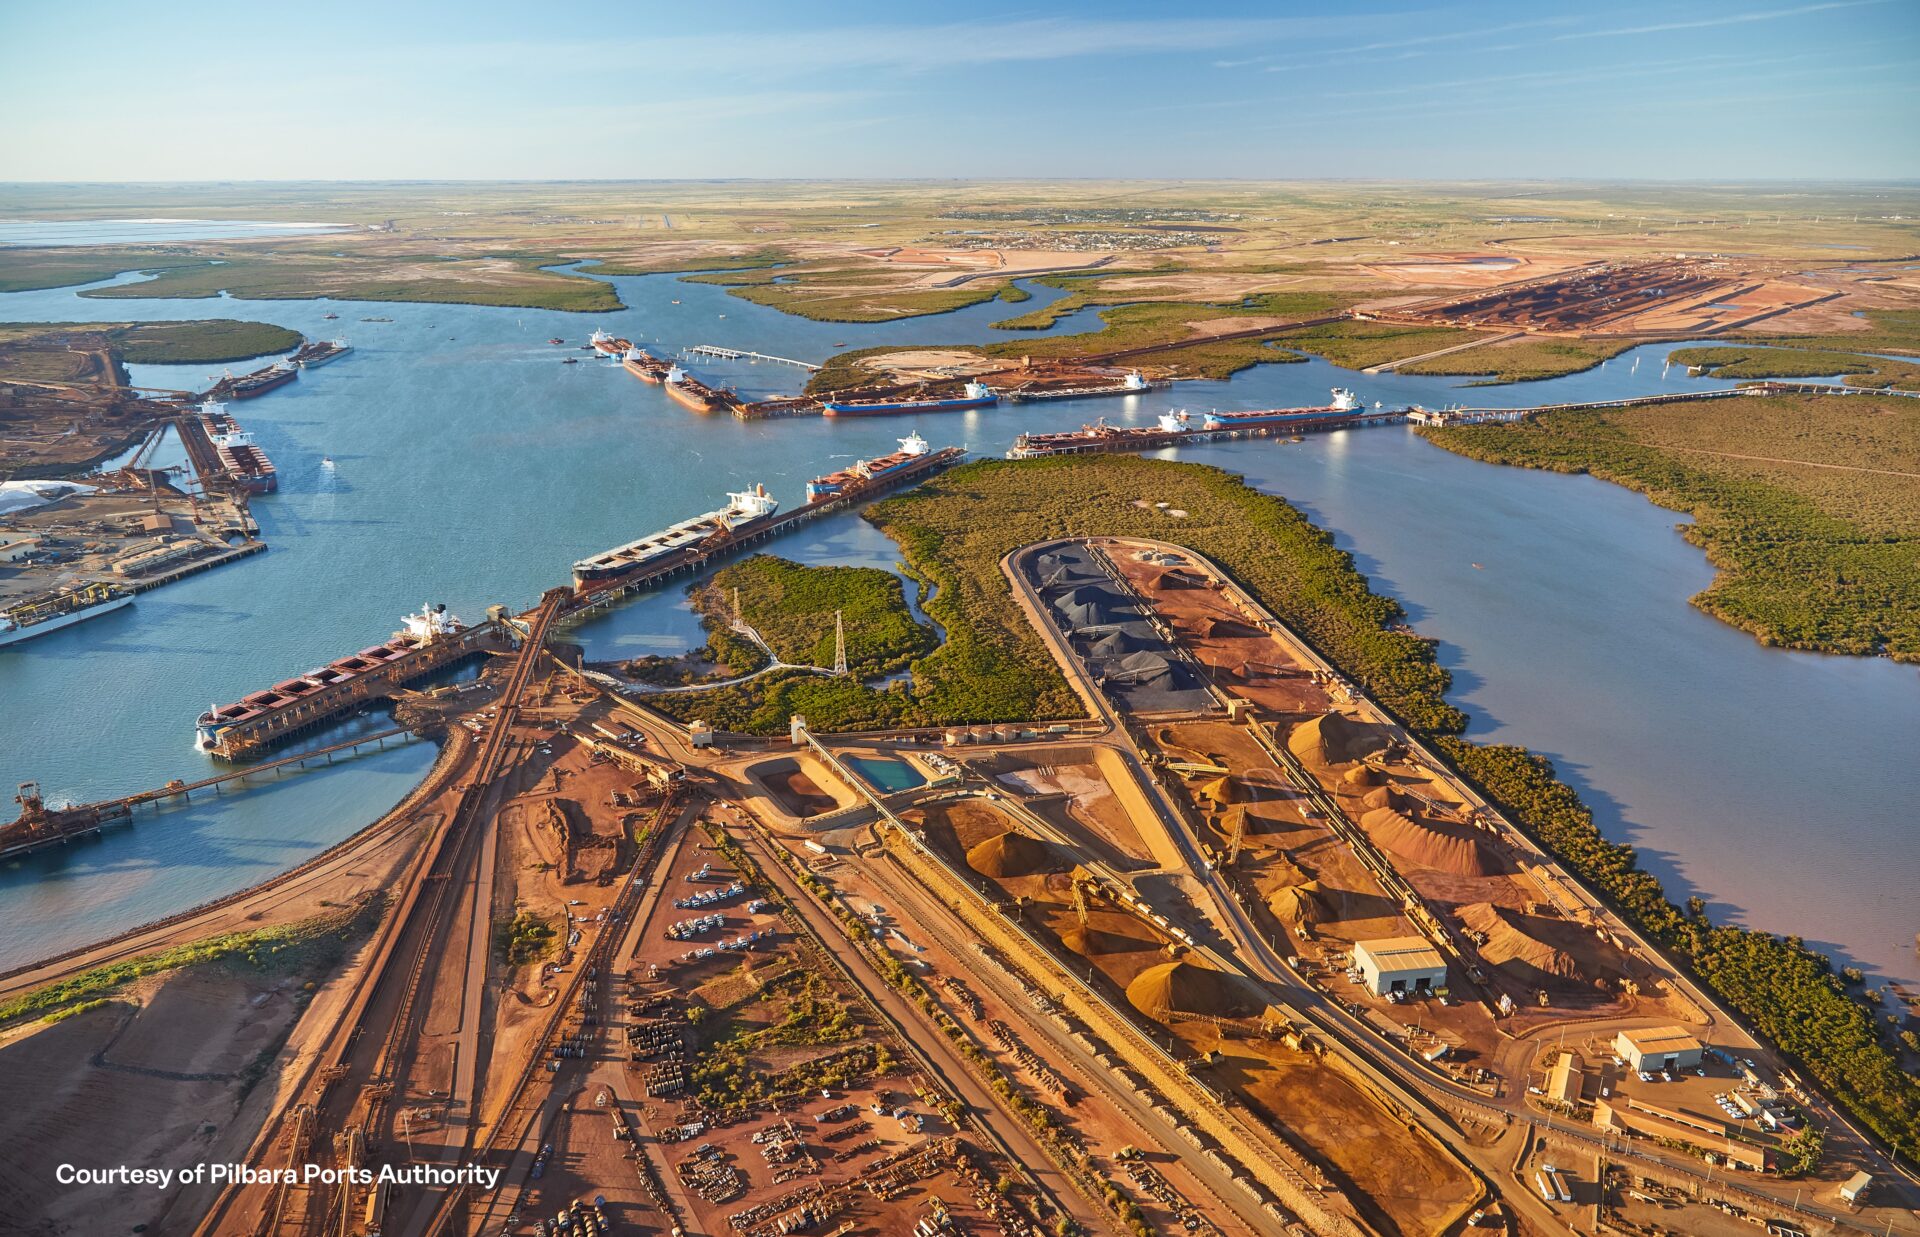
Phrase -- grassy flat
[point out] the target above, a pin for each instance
(1808, 505)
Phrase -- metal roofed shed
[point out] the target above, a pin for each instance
(1658, 1048)
(1400, 964)
(1564, 1081)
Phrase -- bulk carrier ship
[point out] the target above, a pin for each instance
(645, 366)
(320, 353)
(50, 613)
(259, 382)
(1173, 428)
(692, 392)
(1344, 401)
(851, 481)
(240, 456)
(1134, 383)
(978, 395)
(750, 516)
(607, 345)
(425, 642)
(744, 510)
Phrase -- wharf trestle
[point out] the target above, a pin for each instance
(40, 825)
(1471, 416)
(600, 594)
(1100, 439)
(244, 739)
(744, 354)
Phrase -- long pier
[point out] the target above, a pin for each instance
(1103, 438)
(1470, 416)
(696, 559)
(237, 740)
(39, 827)
(742, 354)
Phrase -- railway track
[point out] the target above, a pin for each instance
(520, 1103)
(290, 1205)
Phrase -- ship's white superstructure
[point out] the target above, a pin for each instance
(27, 621)
(743, 507)
(433, 622)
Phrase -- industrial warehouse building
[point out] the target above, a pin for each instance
(1400, 964)
(1658, 1048)
(1566, 1079)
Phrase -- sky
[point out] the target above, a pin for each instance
(189, 90)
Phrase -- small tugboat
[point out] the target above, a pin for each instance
(556, 340)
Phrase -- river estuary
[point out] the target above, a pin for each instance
(472, 467)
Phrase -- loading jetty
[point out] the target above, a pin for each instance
(740, 354)
(1475, 416)
(434, 640)
(1175, 429)
(39, 826)
(596, 594)
(431, 641)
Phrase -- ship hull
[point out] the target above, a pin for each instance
(255, 389)
(1229, 421)
(1025, 397)
(324, 358)
(923, 405)
(601, 576)
(64, 620)
(692, 399)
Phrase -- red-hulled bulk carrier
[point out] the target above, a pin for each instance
(692, 392)
(645, 366)
(240, 456)
(426, 642)
(607, 345)
(912, 457)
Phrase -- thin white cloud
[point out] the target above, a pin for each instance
(1417, 41)
(1730, 19)
(957, 46)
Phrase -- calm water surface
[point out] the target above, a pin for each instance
(472, 467)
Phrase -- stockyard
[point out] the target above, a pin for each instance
(1530, 950)
(1680, 295)
(1336, 832)
(1005, 1014)
(1320, 1120)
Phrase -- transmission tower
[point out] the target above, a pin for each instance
(839, 646)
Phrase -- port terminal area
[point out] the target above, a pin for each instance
(173, 504)
(767, 974)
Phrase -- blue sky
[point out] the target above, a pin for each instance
(1687, 90)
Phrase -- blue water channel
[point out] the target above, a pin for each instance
(472, 467)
